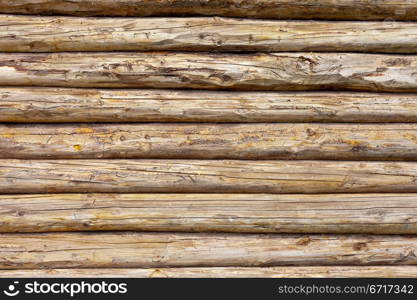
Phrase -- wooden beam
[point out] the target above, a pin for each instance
(263, 213)
(211, 141)
(280, 9)
(62, 105)
(57, 34)
(155, 250)
(273, 71)
(222, 272)
(205, 176)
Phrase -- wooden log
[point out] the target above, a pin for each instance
(273, 71)
(262, 213)
(205, 176)
(211, 141)
(56, 105)
(156, 250)
(57, 34)
(279, 9)
(222, 272)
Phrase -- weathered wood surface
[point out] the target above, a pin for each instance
(55, 105)
(205, 176)
(211, 141)
(273, 71)
(263, 213)
(221, 272)
(280, 9)
(57, 34)
(154, 250)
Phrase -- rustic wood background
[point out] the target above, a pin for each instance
(206, 138)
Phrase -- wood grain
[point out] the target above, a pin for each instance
(155, 250)
(65, 105)
(280, 9)
(205, 176)
(263, 213)
(273, 71)
(211, 141)
(222, 272)
(57, 34)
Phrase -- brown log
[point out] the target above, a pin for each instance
(263, 213)
(155, 250)
(211, 141)
(57, 34)
(56, 105)
(273, 71)
(280, 9)
(223, 272)
(205, 176)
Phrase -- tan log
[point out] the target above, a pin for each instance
(205, 176)
(55, 105)
(55, 34)
(273, 71)
(211, 141)
(155, 250)
(262, 213)
(280, 9)
(222, 272)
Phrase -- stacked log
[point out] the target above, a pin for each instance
(65, 105)
(260, 71)
(259, 213)
(280, 9)
(54, 34)
(208, 140)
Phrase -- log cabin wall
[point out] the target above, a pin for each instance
(188, 138)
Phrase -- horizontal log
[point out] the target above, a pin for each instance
(280, 9)
(211, 141)
(273, 71)
(205, 176)
(57, 34)
(56, 105)
(263, 213)
(155, 250)
(222, 272)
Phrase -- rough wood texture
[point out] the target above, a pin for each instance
(325, 213)
(273, 71)
(55, 34)
(280, 9)
(222, 272)
(211, 141)
(48, 105)
(205, 176)
(154, 250)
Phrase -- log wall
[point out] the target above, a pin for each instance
(234, 138)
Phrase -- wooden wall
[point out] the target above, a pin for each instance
(188, 138)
